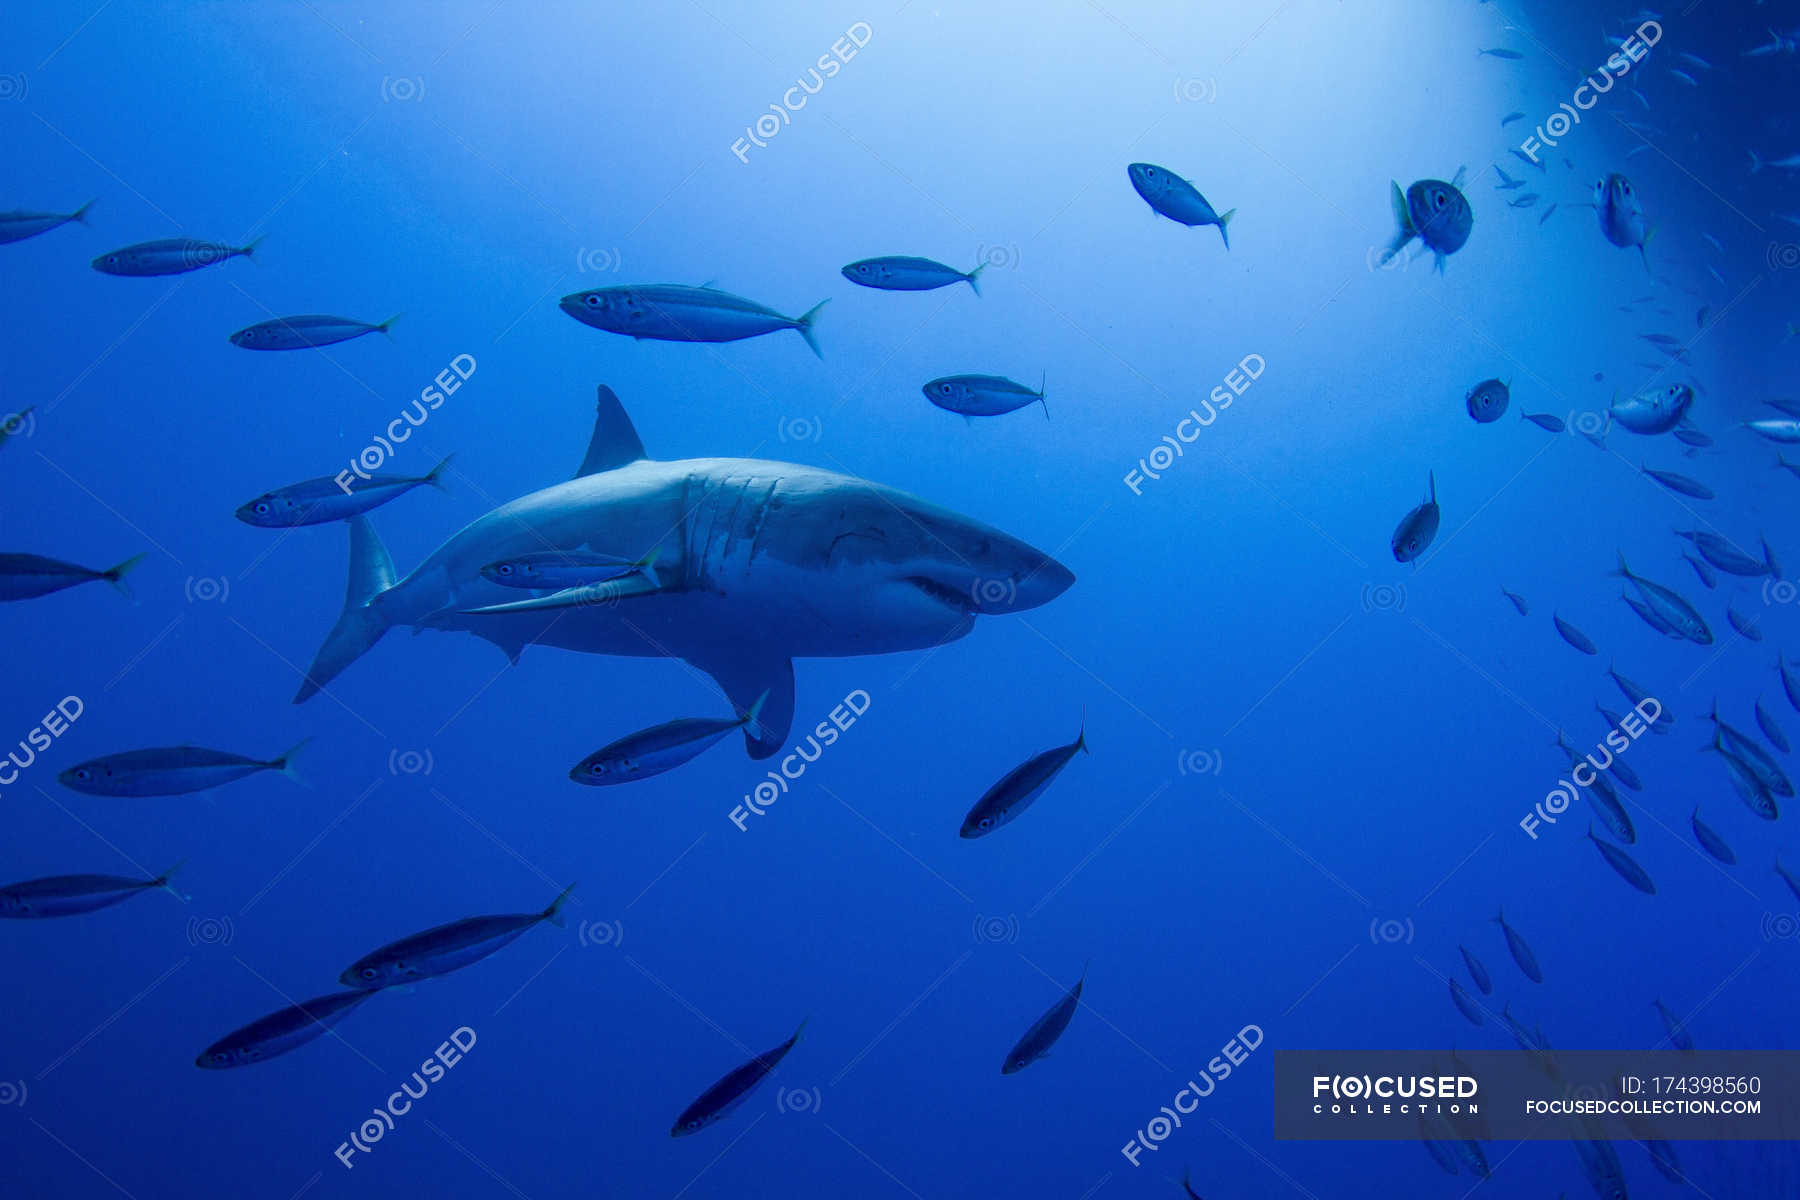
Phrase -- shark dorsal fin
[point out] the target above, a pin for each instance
(615, 441)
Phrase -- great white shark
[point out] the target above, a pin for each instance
(757, 563)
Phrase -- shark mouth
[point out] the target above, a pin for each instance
(962, 602)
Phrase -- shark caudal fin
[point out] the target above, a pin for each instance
(361, 624)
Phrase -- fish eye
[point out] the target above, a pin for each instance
(597, 768)
(945, 388)
(83, 773)
(987, 822)
(591, 301)
(503, 569)
(1439, 199)
(694, 1124)
(262, 506)
(369, 972)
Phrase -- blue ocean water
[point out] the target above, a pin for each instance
(1309, 763)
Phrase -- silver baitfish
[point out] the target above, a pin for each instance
(170, 771)
(321, 501)
(1043, 1033)
(169, 256)
(724, 1097)
(445, 948)
(280, 1032)
(1416, 529)
(68, 895)
(660, 748)
(28, 576)
(1169, 195)
(305, 332)
(901, 273)
(16, 226)
(1019, 788)
(673, 312)
(982, 395)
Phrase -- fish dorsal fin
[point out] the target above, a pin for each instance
(371, 566)
(615, 441)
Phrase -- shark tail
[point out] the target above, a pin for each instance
(361, 623)
(804, 326)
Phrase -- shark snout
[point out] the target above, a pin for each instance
(1015, 583)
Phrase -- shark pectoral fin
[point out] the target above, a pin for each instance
(615, 440)
(589, 595)
(745, 675)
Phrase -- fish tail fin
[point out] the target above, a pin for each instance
(1043, 378)
(1224, 220)
(805, 326)
(1432, 476)
(1756, 162)
(1624, 571)
(116, 575)
(285, 761)
(553, 914)
(162, 881)
(1081, 736)
(1405, 231)
(435, 477)
(388, 324)
(973, 276)
(249, 251)
(646, 567)
(81, 213)
(361, 623)
(752, 727)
